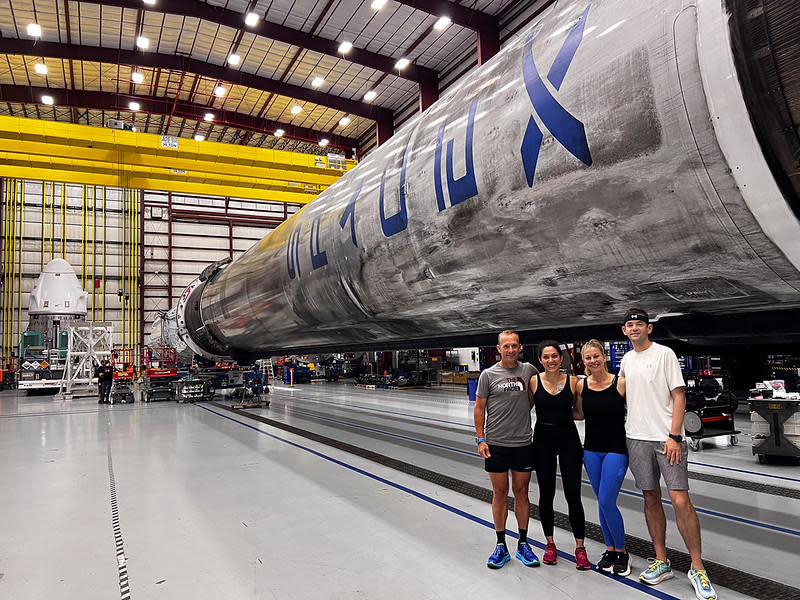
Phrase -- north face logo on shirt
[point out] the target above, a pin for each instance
(512, 384)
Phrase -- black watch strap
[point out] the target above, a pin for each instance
(676, 436)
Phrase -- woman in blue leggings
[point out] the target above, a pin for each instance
(601, 401)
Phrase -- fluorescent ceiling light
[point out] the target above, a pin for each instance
(402, 64)
(142, 42)
(234, 59)
(199, 137)
(47, 100)
(150, 2)
(344, 121)
(208, 117)
(34, 30)
(219, 91)
(370, 96)
(345, 47)
(278, 132)
(296, 109)
(378, 4)
(317, 81)
(324, 142)
(137, 77)
(134, 105)
(442, 23)
(40, 68)
(251, 19)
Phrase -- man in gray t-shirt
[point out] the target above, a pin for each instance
(503, 430)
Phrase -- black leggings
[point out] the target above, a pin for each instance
(563, 442)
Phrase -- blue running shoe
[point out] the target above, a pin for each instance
(657, 572)
(499, 557)
(702, 586)
(526, 555)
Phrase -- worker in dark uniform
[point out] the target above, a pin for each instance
(105, 375)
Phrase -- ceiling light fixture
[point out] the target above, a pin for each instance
(344, 121)
(137, 77)
(142, 42)
(150, 2)
(208, 117)
(134, 106)
(378, 4)
(40, 68)
(34, 30)
(219, 91)
(234, 59)
(278, 132)
(402, 64)
(317, 81)
(370, 96)
(324, 142)
(442, 23)
(251, 19)
(47, 100)
(296, 109)
(199, 137)
(345, 47)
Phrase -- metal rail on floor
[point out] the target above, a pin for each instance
(729, 577)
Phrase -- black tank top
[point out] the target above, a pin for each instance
(604, 411)
(553, 409)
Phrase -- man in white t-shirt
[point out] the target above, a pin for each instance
(654, 430)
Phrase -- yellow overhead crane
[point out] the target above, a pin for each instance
(55, 151)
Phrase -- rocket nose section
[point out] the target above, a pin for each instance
(57, 291)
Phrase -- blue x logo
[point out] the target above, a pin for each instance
(565, 128)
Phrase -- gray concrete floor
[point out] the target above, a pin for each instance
(212, 505)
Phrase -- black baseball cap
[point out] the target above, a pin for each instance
(636, 314)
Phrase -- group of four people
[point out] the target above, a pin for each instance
(633, 419)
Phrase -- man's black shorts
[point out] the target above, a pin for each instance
(508, 458)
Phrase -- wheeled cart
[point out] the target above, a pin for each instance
(193, 389)
(160, 373)
(122, 376)
(709, 409)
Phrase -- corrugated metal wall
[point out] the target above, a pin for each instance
(131, 258)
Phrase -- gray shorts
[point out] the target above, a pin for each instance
(648, 463)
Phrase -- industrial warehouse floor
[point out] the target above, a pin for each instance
(355, 500)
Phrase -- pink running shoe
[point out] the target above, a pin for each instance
(550, 554)
(581, 560)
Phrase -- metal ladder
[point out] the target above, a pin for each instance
(270, 371)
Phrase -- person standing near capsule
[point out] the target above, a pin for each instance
(503, 429)
(556, 441)
(654, 430)
(601, 402)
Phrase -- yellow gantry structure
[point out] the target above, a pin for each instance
(55, 151)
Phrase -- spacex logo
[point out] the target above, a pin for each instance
(565, 128)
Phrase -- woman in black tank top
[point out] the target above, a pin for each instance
(556, 437)
(601, 401)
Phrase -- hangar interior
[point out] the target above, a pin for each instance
(294, 229)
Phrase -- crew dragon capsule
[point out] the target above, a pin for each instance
(615, 152)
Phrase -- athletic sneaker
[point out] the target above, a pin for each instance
(581, 560)
(606, 562)
(622, 564)
(499, 557)
(657, 572)
(550, 554)
(702, 586)
(526, 555)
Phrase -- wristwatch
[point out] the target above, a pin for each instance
(479, 440)
(676, 436)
